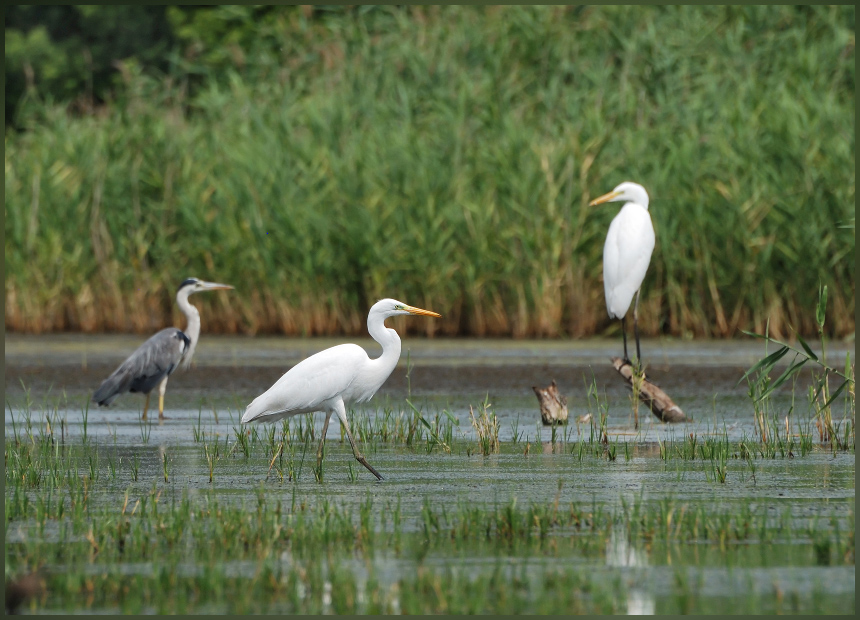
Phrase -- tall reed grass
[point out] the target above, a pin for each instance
(445, 156)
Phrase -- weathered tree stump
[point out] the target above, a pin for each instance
(553, 406)
(657, 400)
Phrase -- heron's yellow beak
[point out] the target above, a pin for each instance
(413, 310)
(604, 198)
(215, 286)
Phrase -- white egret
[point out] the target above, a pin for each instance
(332, 379)
(626, 254)
(159, 356)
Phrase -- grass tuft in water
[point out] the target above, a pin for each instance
(486, 426)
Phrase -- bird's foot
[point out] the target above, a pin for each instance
(369, 467)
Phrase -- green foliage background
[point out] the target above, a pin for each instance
(321, 159)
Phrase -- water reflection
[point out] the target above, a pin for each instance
(620, 552)
(639, 603)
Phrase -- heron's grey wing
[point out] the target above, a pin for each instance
(145, 368)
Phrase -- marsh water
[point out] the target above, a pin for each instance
(51, 378)
(703, 378)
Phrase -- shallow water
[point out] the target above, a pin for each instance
(703, 378)
(203, 406)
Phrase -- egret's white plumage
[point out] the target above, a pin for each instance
(627, 252)
(332, 379)
(311, 384)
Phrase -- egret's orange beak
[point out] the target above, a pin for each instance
(604, 198)
(413, 310)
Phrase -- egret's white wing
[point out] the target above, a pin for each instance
(626, 255)
(309, 384)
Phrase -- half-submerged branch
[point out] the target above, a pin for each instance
(657, 400)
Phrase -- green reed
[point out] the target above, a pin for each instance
(447, 157)
(821, 398)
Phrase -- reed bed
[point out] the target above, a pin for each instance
(445, 156)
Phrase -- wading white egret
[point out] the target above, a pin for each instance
(159, 356)
(332, 379)
(626, 254)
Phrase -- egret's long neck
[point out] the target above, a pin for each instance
(390, 341)
(192, 327)
(639, 196)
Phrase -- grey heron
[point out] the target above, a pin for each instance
(331, 379)
(159, 356)
(627, 254)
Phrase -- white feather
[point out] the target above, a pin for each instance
(331, 379)
(626, 256)
(310, 384)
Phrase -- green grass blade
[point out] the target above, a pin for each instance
(767, 363)
(789, 372)
(835, 394)
(806, 348)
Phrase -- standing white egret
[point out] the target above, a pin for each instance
(159, 356)
(330, 380)
(627, 254)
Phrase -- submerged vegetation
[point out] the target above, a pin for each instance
(135, 521)
(448, 154)
(589, 520)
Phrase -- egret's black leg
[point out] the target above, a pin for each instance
(624, 336)
(636, 329)
(359, 457)
(340, 409)
(322, 439)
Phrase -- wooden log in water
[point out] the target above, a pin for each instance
(657, 400)
(553, 406)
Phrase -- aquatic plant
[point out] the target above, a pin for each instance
(821, 397)
(67, 505)
(486, 426)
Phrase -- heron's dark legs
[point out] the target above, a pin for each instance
(636, 328)
(145, 407)
(624, 335)
(340, 409)
(322, 439)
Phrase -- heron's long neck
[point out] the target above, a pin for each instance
(192, 327)
(390, 341)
